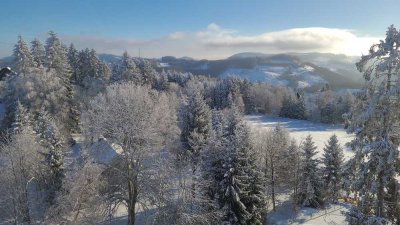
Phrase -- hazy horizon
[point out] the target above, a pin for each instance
(200, 30)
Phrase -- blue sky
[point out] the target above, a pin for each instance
(174, 27)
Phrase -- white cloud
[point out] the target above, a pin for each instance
(217, 42)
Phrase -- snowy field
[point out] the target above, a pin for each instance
(299, 129)
(286, 212)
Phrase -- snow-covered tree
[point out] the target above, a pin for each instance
(126, 70)
(149, 74)
(37, 89)
(20, 200)
(213, 157)
(138, 120)
(272, 148)
(56, 57)
(89, 68)
(242, 185)
(291, 167)
(50, 138)
(311, 185)
(80, 200)
(332, 171)
(22, 118)
(38, 53)
(196, 127)
(72, 55)
(57, 60)
(22, 57)
(374, 120)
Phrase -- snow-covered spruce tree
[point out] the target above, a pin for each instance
(38, 53)
(375, 121)
(22, 118)
(332, 171)
(22, 57)
(196, 127)
(56, 57)
(213, 157)
(149, 74)
(57, 60)
(126, 70)
(242, 191)
(328, 113)
(310, 185)
(50, 138)
(90, 68)
(73, 62)
(300, 109)
(287, 107)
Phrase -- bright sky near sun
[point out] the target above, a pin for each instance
(201, 29)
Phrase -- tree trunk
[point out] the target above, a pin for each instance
(132, 195)
(272, 185)
(132, 191)
(380, 197)
(193, 181)
(25, 202)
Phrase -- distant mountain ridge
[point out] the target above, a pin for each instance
(299, 70)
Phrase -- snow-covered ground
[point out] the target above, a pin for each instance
(299, 129)
(287, 214)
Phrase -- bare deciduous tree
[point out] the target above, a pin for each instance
(139, 120)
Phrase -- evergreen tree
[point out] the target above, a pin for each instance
(213, 157)
(196, 126)
(21, 118)
(149, 74)
(332, 173)
(310, 187)
(38, 53)
(90, 68)
(57, 60)
(73, 61)
(294, 109)
(374, 119)
(126, 70)
(287, 107)
(300, 109)
(22, 57)
(51, 139)
(56, 57)
(242, 186)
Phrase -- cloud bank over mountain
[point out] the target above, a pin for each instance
(216, 42)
